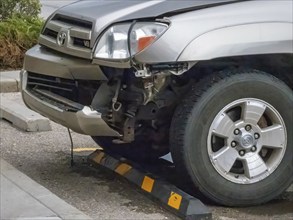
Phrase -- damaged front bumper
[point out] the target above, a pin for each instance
(79, 118)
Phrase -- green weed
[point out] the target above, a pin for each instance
(17, 35)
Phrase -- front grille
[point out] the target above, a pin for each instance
(50, 33)
(68, 35)
(80, 42)
(79, 91)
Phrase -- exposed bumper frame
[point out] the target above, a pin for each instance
(85, 121)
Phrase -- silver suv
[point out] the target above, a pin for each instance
(209, 81)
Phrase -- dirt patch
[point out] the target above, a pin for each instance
(11, 55)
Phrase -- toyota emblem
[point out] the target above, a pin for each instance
(61, 38)
(247, 140)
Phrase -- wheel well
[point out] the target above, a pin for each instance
(279, 65)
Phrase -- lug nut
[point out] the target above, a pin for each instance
(256, 135)
(242, 153)
(248, 127)
(233, 144)
(253, 149)
(236, 131)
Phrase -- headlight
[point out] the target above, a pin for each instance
(114, 42)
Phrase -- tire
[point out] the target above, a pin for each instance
(203, 129)
(139, 150)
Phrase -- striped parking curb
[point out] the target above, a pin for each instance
(171, 197)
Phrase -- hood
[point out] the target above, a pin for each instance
(102, 13)
(85, 20)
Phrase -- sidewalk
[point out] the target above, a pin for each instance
(24, 199)
(9, 81)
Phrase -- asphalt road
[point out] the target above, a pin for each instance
(101, 194)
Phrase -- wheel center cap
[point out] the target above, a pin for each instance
(247, 141)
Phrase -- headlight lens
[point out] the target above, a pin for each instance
(143, 34)
(114, 42)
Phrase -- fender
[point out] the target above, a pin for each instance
(243, 28)
(247, 39)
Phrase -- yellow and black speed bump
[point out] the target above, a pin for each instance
(171, 197)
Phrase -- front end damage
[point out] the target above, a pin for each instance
(96, 86)
(139, 102)
(121, 103)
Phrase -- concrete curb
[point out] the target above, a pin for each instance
(22, 117)
(9, 81)
(40, 195)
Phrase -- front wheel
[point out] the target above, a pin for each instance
(232, 137)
